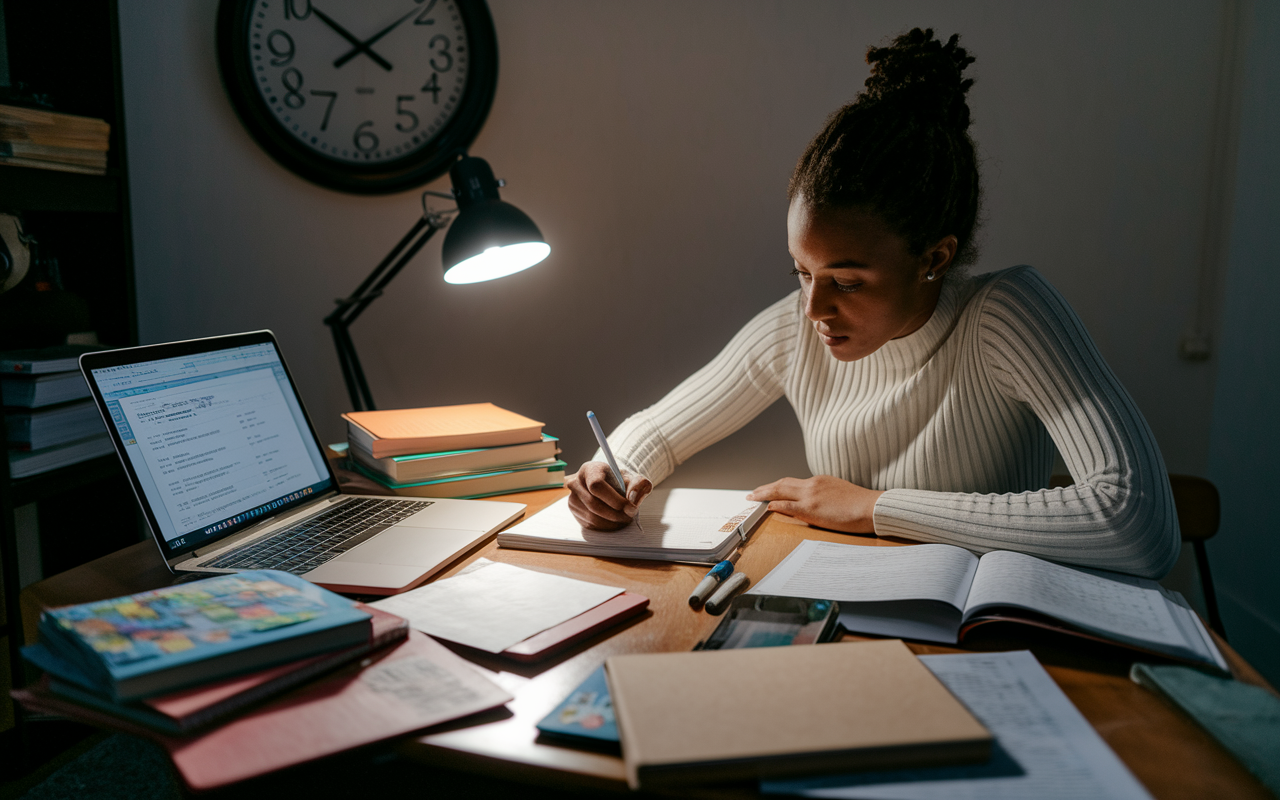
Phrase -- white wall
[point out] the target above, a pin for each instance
(652, 143)
(1246, 429)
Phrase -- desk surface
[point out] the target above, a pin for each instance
(1171, 755)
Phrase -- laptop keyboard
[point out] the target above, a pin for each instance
(313, 541)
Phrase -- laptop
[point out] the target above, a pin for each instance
(230, 474)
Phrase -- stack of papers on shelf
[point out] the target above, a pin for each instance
(62, 431)
(701, 525)
(31, 137)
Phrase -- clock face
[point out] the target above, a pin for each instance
(360, 95)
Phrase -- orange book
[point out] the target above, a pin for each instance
(407, 431)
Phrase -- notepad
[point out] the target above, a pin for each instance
(684, 718)
(702, 525)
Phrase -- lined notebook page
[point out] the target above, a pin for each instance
(850, 573)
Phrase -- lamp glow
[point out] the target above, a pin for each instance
(497, 262)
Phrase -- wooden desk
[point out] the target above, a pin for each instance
(1172, 756)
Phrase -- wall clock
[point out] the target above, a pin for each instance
(366, 96)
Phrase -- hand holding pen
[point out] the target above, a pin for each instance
(595, 499)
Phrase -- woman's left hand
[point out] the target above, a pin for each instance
(823, 501)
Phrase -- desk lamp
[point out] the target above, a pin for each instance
(488, 239)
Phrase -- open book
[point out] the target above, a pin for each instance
(938, 593)
(702, 525)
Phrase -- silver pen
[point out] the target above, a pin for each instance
(613, 463)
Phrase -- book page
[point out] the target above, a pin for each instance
(670, 519)
(1121, 607)
(1045, 749)
(849, 573)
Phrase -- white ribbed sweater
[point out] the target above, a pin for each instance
(957, 421)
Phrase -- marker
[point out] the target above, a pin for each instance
(608, 455)
(718, 573)
(720, 600)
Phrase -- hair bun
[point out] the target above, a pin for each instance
(923, 74)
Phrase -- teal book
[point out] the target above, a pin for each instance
(1244, 719)
(585, 717)
(130, 647)
(545, 474)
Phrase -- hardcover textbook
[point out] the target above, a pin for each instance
(158, 641)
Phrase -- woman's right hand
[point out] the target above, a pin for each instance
(595, 501)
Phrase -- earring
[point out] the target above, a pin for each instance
(928, 276)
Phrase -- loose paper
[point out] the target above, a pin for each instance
(492, 606)
(1044, 748)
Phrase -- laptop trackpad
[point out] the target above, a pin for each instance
(424, 547)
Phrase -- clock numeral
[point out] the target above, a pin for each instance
(292, 80)
(401, 111)
(333, 97)
(291, 9)
(444, 53)
(433, 86)
(424, 18)
(365, 141)
(281, 46)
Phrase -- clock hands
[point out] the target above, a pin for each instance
(364, 46)
(359, 46)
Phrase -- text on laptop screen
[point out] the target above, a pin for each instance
(215, 438)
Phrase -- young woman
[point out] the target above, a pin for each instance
(931, 402)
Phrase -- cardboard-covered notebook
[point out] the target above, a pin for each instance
(762, 713)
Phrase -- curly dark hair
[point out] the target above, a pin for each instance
(902, 149)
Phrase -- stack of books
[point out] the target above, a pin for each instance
(49, 419)
(464, 451)
(192, 666)
(179, 658)
(31, 137)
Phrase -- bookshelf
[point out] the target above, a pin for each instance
(69, 50)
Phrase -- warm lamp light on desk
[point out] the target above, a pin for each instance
(488, 239)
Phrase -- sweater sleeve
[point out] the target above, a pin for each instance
(1119, 513)
(739, 383)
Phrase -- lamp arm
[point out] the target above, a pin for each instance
(350, 307)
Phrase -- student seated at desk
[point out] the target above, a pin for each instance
(931, 401)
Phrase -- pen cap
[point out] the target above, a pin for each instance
(720, 600)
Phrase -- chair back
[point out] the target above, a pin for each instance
(1196, 500)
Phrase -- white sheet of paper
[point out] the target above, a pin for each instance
(496, 605)
(437, 685)
(1045, 749)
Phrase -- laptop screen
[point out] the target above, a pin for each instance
(215, 438)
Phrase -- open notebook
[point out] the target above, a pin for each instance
(678, 525)
(938, 593)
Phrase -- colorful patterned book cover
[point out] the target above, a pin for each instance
(587, 713)
(142, 633)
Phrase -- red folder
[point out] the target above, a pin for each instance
(583, 626)
(372, 701)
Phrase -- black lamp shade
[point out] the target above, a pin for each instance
(489, 238)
